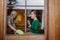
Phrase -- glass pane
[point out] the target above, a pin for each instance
(20, 2)
(22, 19)
(15, 17)
(16, 2)
(35, 21)
(15, 21)
(35, 2)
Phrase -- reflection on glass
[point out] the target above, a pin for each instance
(34, 21)
(20, 2)
(35, 2)
(16, 2)
(15, 21)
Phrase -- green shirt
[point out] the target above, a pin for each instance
(35, 27)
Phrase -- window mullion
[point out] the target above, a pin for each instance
(25, 15)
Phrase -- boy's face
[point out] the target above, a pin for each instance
(33, 15)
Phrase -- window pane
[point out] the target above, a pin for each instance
(35, 2)
(16, 2)
(20, 2)
(24, 20)
(35, 26)
(17, 21)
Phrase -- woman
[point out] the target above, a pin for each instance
(10, 23)
(35, 25)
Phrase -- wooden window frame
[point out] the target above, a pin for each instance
(17, 37)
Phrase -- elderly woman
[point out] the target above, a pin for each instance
(10, 23)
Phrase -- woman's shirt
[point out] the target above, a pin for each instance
(35, 26)
(10, 21)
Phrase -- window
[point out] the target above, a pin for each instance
(25, 17)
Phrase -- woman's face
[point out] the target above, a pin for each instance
(33, 15)
(14, 15)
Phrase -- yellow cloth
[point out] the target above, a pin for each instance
(19, 32)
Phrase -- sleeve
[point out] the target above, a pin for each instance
(8, 20)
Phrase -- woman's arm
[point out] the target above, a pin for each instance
(11, 27)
